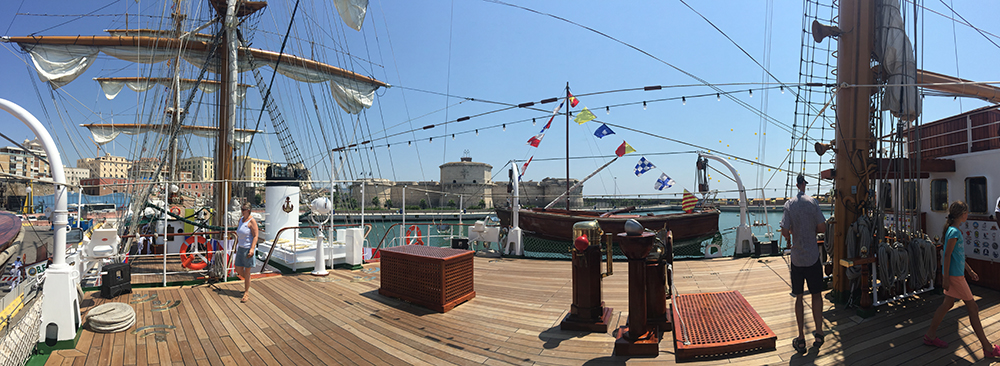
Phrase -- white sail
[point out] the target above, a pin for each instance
(895, 52)
(105, 133)
(352, 12)
(113, 86)
(60, 64)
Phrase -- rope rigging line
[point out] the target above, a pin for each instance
(392, 163)
(16, 13)
(966, 22)
(512, 106)
(765, 69)
(406, 107)
(447, 82)
(292, 151)
(71, 20)
(703, 81)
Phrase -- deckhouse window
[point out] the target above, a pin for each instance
(909, 195)
(939, 195)
(975, 195)
(885, 195)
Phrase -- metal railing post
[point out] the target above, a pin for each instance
(166, 209)
(225, 234)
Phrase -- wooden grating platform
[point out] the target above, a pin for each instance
(718, 323)
(436, 278)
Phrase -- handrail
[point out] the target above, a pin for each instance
(278, 235)
(389, 229)
(231, 234)
(200, 233)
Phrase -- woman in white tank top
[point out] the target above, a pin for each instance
(246, 246)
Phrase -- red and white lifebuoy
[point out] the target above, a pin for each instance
(417, 240)
(175, 210)
(187, 257)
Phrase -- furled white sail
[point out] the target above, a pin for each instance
(61, 64)
(352, 12)
(105, 133)
(895, 52)
(112, 87)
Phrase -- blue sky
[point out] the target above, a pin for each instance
(483, 53)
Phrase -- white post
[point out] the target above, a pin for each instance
(353, 242)
(225, 236)
(514, 235)
(332, 222)
(166, 208)
(744, 237)
(362, 202)
(61, 308)
(79, 206)
(319, 267)
(403, 227)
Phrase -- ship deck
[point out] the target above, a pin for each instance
(514, 319)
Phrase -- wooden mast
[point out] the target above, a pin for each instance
(227, 111)
(175, 119)
(853, 136)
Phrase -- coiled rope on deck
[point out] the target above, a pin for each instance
(900, 262)
(858, 235)
(111, 317)
(923, 262)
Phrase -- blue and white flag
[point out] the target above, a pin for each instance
(643, 166)
(663, 182)
(604, 130)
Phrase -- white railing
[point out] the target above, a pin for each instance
(406, 235)
(93, 276)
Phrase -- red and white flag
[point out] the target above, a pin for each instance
(525, 167)
(537, 139)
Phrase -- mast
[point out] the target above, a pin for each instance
(176, 116)
(853, 138)
(568, 106)
(227, 112)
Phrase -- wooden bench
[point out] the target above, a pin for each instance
(436, 278)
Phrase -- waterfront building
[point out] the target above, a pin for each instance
(106, 166)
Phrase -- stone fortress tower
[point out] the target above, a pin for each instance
(470, 180)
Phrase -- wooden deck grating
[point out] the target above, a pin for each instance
(717, 323)
(514, 319)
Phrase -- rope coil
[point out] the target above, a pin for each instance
(923, 262)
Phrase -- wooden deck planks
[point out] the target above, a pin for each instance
(299, 319)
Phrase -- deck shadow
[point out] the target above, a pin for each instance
(398, 304)
(554, 336)
(909, 319)
(229, 292)
(607, 360)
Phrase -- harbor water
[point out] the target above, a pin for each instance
(439, 232)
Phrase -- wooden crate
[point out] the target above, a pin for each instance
(436, 278)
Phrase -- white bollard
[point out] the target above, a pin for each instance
(354, 242)
(320, 265)
(514, 245)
